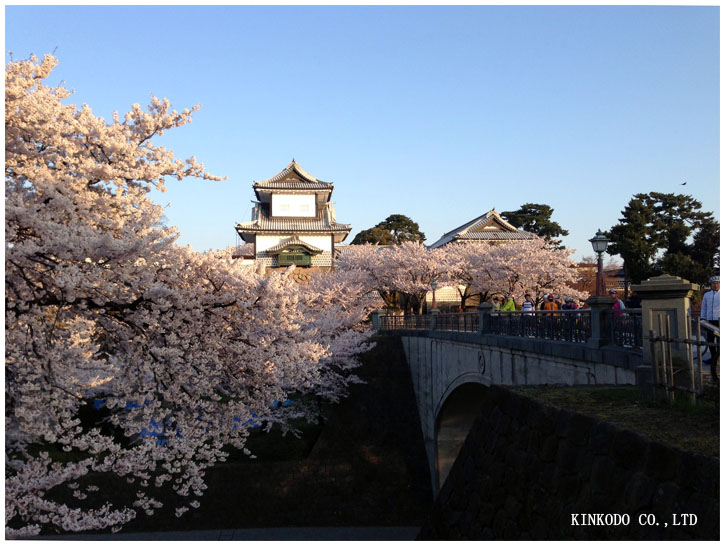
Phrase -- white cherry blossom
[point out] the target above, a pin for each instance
(182, 351)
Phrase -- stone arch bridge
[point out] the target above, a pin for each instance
(453, 358)
(450, 371)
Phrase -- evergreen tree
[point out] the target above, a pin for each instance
(706, 245)
(375, 236)
(394, 230)
(631, 239)
(666, 233)
(536, 218)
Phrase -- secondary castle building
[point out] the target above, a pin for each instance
(293, 221)
(489, 227)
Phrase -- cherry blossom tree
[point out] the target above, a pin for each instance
(526, 266)
(468, 264)
(335, 305)
(408, 269)
(368, 265)
(401, 273)
(182, 351)
(414, 268)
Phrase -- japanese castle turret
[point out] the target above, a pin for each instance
(293, 221)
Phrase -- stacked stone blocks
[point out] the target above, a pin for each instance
(526, 467)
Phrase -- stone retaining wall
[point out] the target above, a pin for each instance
(525, 468)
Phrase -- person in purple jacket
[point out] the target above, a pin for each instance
(618, 304)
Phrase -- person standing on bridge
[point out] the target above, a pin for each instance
(529, 316)
(528, 305)
(509, 304)
(710, 312)
(618, 304)
(550, 305)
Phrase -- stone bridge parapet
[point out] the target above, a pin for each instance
(441, 361)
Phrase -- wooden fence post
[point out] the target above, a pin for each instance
(665, 298)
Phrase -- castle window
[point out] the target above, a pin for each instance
(294, 258)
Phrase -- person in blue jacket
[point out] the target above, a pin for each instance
(710, 312)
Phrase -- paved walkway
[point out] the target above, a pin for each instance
(279, 533)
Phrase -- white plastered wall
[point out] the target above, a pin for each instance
(323, 242)
(285, 204)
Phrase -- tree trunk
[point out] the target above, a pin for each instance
(389, 298)
(404, 300)
(465, 295)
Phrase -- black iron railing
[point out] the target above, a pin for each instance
(572, 326)
(625, 328)
(457, 322)
(405, 322)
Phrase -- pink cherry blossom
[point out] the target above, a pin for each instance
(185, 349)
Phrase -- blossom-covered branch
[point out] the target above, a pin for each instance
(178, 352)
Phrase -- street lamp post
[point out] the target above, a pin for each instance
(599, 244)
(434, 285)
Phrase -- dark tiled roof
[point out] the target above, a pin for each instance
(280, 181)
(294, 240)
(245, 250)
(293, 185)
(341, 250)
(282, 224)
(494, 236)
(478, 230)
(490, 218)
(300, 225)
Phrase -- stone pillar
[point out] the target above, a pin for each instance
(484, 315)
(376, 319)
(599, 306)
(433, 316)
(666, 296)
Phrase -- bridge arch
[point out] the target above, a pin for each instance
(441, 362)
(468, 377)
(454, 417)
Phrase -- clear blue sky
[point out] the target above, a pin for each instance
(438, 113)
